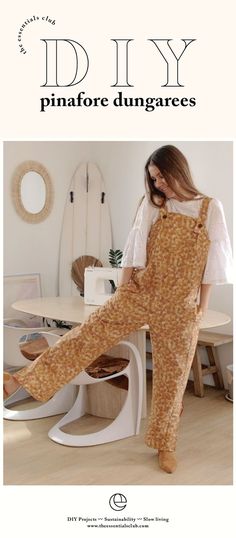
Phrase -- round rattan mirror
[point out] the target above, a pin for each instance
(32, 191)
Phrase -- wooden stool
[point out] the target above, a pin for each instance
(210, 341)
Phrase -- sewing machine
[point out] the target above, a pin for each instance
(97, 288)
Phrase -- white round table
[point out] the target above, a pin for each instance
(73, 310)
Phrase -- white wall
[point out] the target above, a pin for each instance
(35, 247)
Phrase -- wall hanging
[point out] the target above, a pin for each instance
(32, 191)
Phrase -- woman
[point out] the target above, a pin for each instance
(177, 248)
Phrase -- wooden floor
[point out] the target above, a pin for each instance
(204, 451)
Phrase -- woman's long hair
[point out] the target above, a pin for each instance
(174, 167)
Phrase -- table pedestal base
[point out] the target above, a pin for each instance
(106, 400)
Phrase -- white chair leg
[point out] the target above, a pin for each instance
(59, 403)
(126, 424)
(78, 409)
(118, 429)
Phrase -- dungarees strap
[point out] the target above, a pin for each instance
(203, 211)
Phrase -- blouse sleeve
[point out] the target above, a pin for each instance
(219, 266)
(134, 253)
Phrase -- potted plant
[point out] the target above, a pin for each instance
(115, 257)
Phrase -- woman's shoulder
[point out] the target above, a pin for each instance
(146, 211)
(215, 205)
(214, 201)
(151, 208)
(216, 214)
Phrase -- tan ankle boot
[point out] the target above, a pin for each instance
(167, 461)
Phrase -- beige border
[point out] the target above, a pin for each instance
(20, 171)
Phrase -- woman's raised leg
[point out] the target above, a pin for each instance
(124, 313)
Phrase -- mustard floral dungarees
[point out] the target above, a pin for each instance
(162, 295)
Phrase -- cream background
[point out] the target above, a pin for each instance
(208, 72)
(206, 68)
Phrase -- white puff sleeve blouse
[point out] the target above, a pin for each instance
(219, 266)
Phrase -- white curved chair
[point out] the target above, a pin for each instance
(59, 403)
(13, 357)
(126, 424)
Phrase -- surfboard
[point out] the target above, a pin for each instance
(86, 226)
